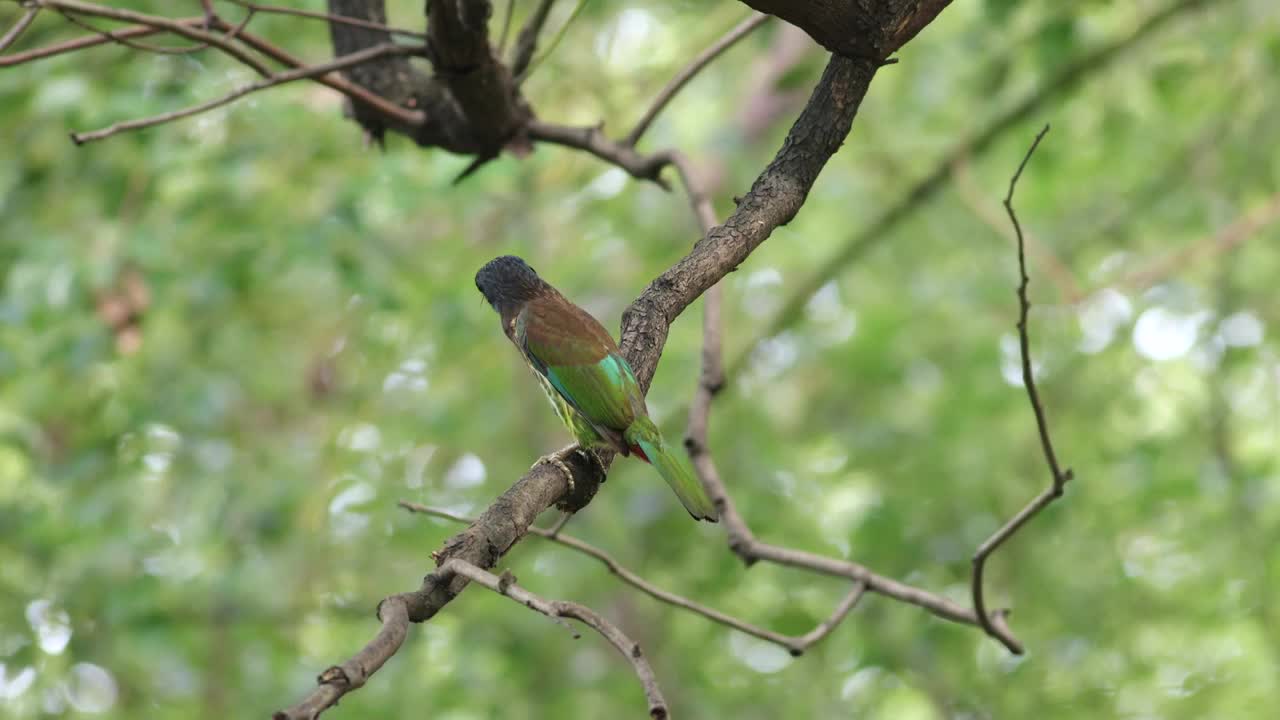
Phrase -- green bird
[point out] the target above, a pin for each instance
(590, 384)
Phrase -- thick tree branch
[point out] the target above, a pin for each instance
(1060, 477)
(682, 78)
(556, 609)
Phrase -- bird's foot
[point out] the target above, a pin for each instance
(557, 459)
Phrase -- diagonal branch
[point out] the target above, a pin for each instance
(158, 21)
(19, 27)
(556, 609)
(683, 77)
(302, 73)
(88, 41)
(1060, 477)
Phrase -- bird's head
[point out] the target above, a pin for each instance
(507, 282)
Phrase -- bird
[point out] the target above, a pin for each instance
(591, 386)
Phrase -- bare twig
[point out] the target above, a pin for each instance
(89, 41)
(120, 38)
(19, 27)
(1060, 477)
(302, 73)
(556, 609)
(170, 24)
(796, 645)
(989, 214)
(682, 78)
(330, 17)
(527, 40)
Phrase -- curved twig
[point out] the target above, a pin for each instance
(556, 609)
(1060, 476)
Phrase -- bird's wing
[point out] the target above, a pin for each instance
(581, 361)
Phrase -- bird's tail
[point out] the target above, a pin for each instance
(646, 441)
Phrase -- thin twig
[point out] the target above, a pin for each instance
(133, 44)
(89, 41)
(304, 73)
(1060, 477)
(556, 609)
(527, 40)
(330, 17)
(682, 78)
(796, 645)
(169, 24)
(19, 27)
(989, 214)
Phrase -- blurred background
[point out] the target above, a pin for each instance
(229, 345)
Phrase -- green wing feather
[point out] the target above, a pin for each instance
(582, 363)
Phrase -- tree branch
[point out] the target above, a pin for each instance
(302, 73)
(682, 78)
(19, 27)
(88, 41)
(1060, 477)
(556, 609)
(157, 21)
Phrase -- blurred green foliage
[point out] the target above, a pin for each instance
(197, 527)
